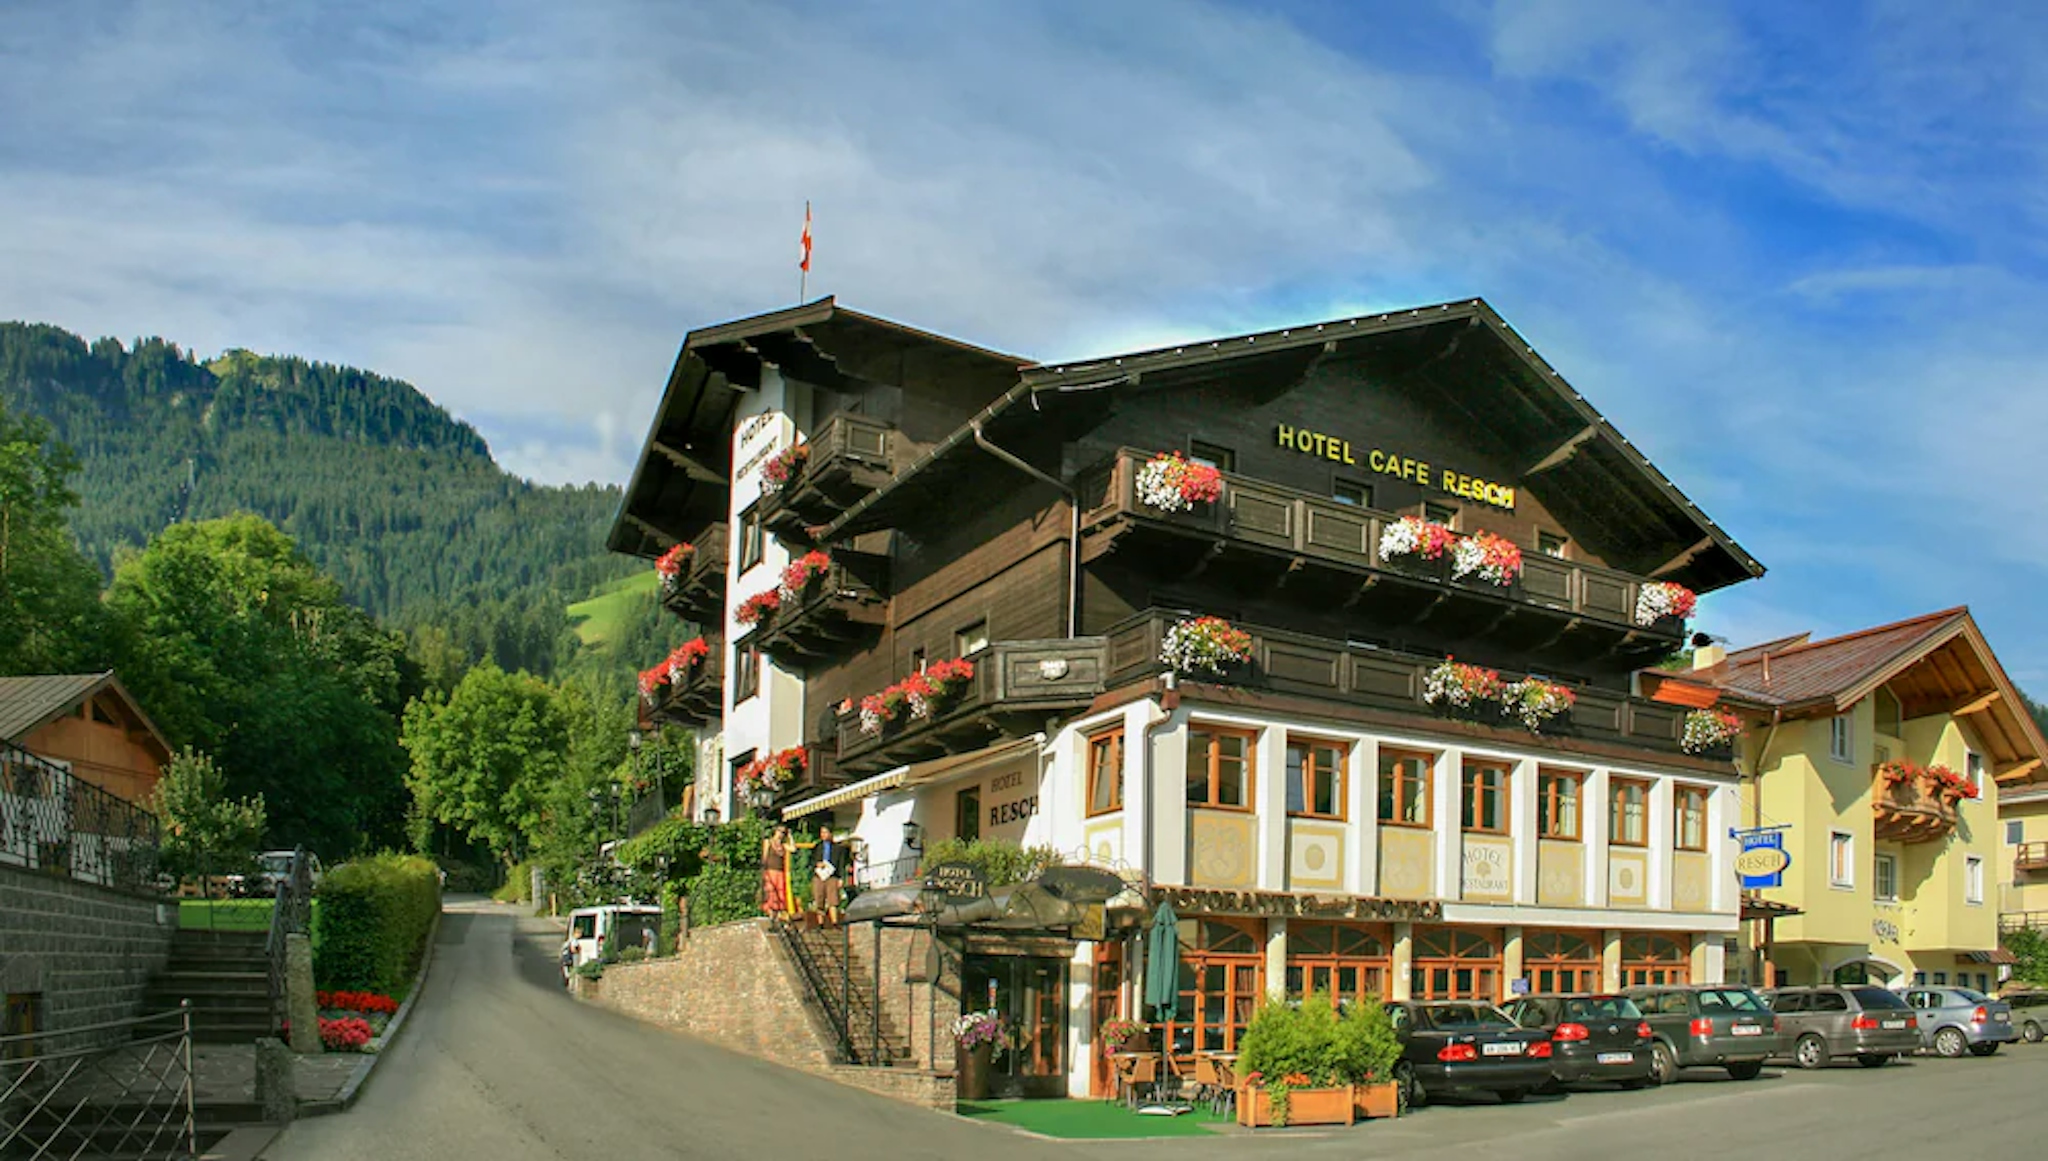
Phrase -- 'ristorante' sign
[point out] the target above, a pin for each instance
(1208, 901)
(1386, 463)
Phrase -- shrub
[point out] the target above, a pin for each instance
(471, 878)
(356, 1002)
(723, 894)
(516, 888)
(1309, 1044)
(1000, 860)
(348, 1034)
(371, 928)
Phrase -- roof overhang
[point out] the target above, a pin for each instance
(920, 774)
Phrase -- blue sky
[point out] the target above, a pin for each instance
(1795, 252)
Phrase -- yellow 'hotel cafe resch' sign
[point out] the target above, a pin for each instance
(1387, 463)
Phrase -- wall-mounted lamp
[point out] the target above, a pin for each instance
(711, 816)
(913, 836)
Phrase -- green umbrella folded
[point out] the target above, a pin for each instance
(1162, 962)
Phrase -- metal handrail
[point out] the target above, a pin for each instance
(128, 1095)
(52, 820)
(838, 1017)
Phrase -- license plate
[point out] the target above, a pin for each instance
(1617, 1058)
(1894, 1025)
(1748, 1030)
(1504, 1048)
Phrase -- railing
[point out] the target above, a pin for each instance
(2030, 857)
(830, 992)
(701, 695)
(833, 611)
(1321, 530)
(647, 810)
(868, 875)
(119, 1089)
(2021, 920)
(699, 590)
(850, 456)
(1026, 678)
(1322, 667)
(52, 821)
(291, 914)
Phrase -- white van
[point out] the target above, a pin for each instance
(630, 924)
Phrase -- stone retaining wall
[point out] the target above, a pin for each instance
(88, 952)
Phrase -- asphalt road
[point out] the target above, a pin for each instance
(499, 1064)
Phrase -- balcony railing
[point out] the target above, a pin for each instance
(850, 456)
(835, 611)
(2011, 921)
(2030, 857)
(1015, 685)
(1297, 663)
(51, 821)
(1293, 529)
(1910, 811)
(699, 699)
(698, 593)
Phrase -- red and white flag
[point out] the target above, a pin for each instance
(805, 265)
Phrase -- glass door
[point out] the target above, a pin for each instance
(1030, 995)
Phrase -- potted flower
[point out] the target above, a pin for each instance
(760, 780)
(1114, 1035)
(1306, 1063)
(801, 572)
(1456, 685)
(1209, 644)
(1536, 701)
(1951, 785)
(1657, 600)
(1489, 557)
(686, 657)
(1411, 539)
(758, 607)
(1172, 484)
(653, 680)
(975, 1036)
(1710, 729)
(670, 565)
(783, 466)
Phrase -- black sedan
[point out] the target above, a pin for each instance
(1591, 1037)
(1464, 1046)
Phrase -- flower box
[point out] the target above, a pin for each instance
(1662, 605)
(783, 466)
(1375, 1101)
(802, 573)
(1207, 644)
(1305, 1106)
(1172, 484)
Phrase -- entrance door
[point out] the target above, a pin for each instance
(1029, 994)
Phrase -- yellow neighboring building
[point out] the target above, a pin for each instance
(2023, 860)
(1884, 754)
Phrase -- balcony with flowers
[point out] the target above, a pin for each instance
(808, 484)
(1186, 519)
(825, 604)
(688, 686)
(692, 576)
(1916, 804)
(1004, 691)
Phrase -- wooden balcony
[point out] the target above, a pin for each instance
(1266, 535)
(700, 699)
(1299, 664)
(2030, 857)
(851, 455)
(833, 614)
(1016, 686)
(1912, 811)
(698, 594)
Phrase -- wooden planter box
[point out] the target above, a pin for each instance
(1305, 1106)
(1373, 1101)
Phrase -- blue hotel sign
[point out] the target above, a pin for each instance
(1763, 859)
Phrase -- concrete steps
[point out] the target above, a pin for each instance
(226, 977)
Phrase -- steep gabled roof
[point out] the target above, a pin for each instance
(1934, 663)
(27, 704)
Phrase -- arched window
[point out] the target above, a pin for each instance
(1455, 963)
(1347, 961)
(1561, 962)
(1655, 959)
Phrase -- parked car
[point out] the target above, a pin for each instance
(272, 868)
(625, 925)
(1707, 1026)
(1817, 1025)
(2030, 1013)
(1463, 1046)
(1591, 1037)
(1955, 1020)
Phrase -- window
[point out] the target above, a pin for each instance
(1656, 961)
(1973, 880)
(733, 766)
(967, 814)
(1557, 803)
(1551, 544)
(1352, 492)
(1220, 768)
(971, 640)
(1628, 812)
(1444, 514)
(1220, 458)
(1346, 962)
(2015, 832)
(1485, 797)
(1454, 964)
(1838, 737)
(1841, 859)
(1940, 979)
(917, 660)
(1562, 961)
(1106, 772)
(1890, 714)
(1404, 787)
(1690, 825)
(1973, 769)
(1315, 778)
(1884, 878)
(1222, 983)
(746, 681)
(750, 539)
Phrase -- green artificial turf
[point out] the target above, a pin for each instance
(1089, 1119)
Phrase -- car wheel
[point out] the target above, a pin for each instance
(1663, 1065)
(1811, 1052)
(1951, 1042)
(1747, 1070)
(1873, 1060)
(2032, 1032)
(1983, 1049)
(1407, 1088)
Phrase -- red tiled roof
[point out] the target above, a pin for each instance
(1807, 671)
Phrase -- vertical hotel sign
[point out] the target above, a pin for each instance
(1763, 858)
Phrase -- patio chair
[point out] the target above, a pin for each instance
(1207, 1081)
(1226, 1082)
(1144, 1076)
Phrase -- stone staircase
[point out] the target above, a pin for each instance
(843, 988)
(226, 976)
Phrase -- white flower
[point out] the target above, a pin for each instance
(1158, 488)
(1401, 538)
(1202, 644)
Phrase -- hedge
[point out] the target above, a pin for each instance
(371, 927)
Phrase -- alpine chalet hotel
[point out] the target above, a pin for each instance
(1341, 638)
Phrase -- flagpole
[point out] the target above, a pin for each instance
(803, 270)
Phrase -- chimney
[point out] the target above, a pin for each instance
(1708, 656)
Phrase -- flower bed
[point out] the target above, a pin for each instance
(922, 693)
(1659, 599)
(1489, 557)
(1461, 686)
(1709, 729)
(1209, 644)
(801, 572)
(1172, 484)
(758, 607)
(783, 466)
(1536, 701)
